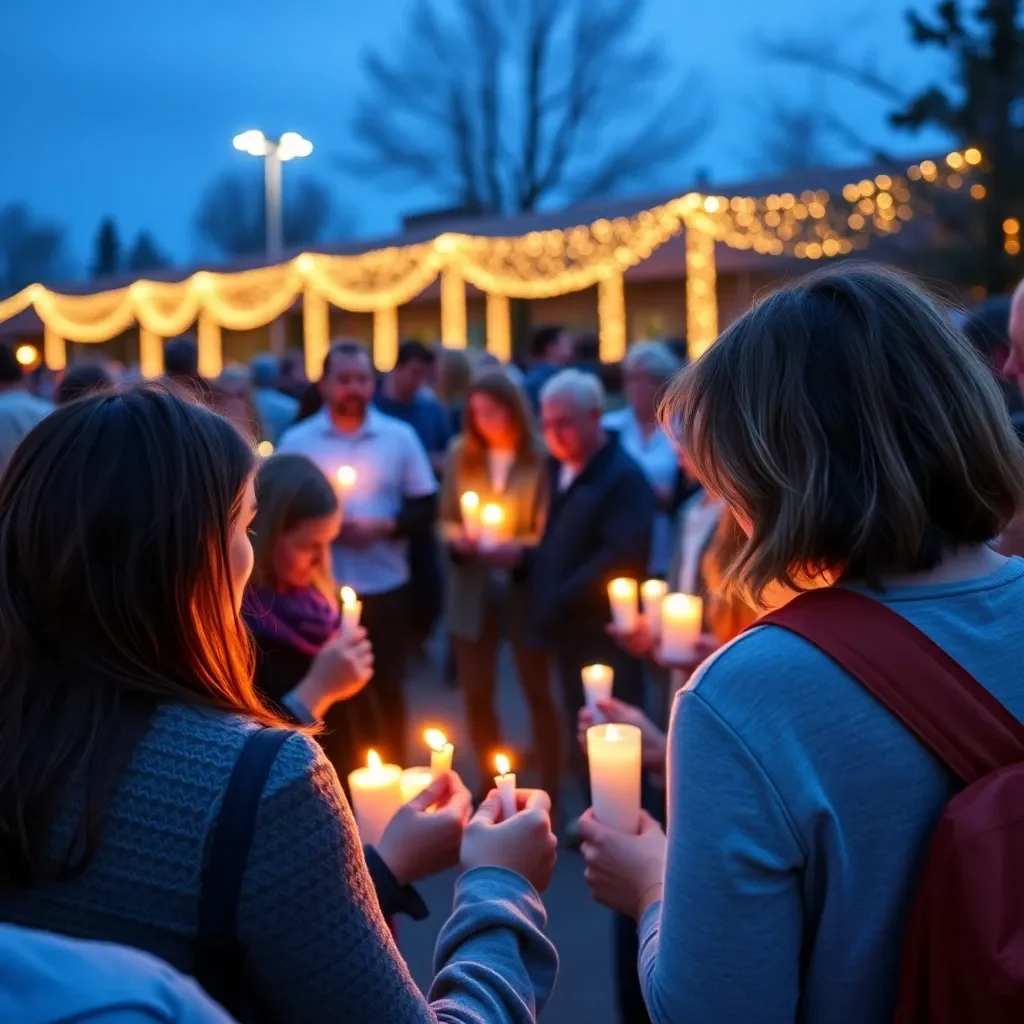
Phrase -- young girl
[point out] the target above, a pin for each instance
(126, 697)
(500, 460)
(860, 442)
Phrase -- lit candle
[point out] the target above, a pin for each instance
(346, 479)
(441, 751)
(470, 505)
(614, 755)
(492, 525)
(652, 593)
(376, 795)
(681, 618)
(414, 781)
(265, 448)
(597, 685)
(505, 780)
(623, 599)
(351, 610)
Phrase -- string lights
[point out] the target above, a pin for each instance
(541, 264)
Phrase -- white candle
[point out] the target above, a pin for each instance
(614, 755)
(414, 781)
(351, 610)
(492, 526)
(346, 477)
(470, 505)
(623, 598)
(505, 780)
(376, 795)
(681, 618)
(652, 593)
(441, 751)
(597, 685)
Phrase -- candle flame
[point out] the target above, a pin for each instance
(265, 448)
(346, 477)
(654, 588)
(612, 733)
(373, 761)
(348, 597)
(622, 587)
(436, 739)
(501, 762)
(597, 672)
(470, 501)
(492, 515)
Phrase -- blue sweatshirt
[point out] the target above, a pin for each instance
(799, 811)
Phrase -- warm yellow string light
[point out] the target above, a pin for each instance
(385, 338)
(499, 327)
(611, 317)
(151, 353)
(209, 343)
(453, 308)
(701, 288)
(316, 332)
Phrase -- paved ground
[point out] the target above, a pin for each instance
(580, 929)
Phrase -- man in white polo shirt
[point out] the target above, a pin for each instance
(393, 497)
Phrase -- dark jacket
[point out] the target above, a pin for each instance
(597, 529)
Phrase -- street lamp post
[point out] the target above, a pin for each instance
(290, 146)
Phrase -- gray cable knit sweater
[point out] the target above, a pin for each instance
(315, 939)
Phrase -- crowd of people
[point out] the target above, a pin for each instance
(180, 706)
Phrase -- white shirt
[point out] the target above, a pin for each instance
(657, 458)
(391, 465)
(700, 520)
(499, 467)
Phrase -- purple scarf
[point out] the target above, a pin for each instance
(303, 619)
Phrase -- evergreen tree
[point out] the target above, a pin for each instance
(107, 250)
(145, 254)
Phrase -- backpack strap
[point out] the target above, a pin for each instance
(232, 838)
(941, 703)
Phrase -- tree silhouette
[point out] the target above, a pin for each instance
(107, 250)
(506, 105)
(232, 214)
(145, 254)
(30, 250)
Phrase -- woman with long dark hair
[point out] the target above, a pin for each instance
(499, 458)
(126, 699)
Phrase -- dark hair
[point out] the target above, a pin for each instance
(543, 338)
(855, 428)
(290, 490)
(181, 358)
(116, 514)
(413, 351)
(10, 369)
(987, 326)
(82, 379)
(311, 402)
(345, 347)
(588, 348)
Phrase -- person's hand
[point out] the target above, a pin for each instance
(504, 556)
(524, 843)
(705, 646)
(624, 872)
(639, 642)
(362, 531)
(339, 670)
(654, 743)
(425, 835)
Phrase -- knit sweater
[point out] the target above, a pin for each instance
(315, 940)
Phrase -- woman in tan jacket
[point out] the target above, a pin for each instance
(499, 458)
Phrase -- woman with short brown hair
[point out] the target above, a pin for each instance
(862, 444)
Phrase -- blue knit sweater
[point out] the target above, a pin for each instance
(315, 939)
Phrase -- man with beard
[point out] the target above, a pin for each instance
(390, 498)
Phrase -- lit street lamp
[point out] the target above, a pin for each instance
(290, 146)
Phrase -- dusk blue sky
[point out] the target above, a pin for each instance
(115, 107)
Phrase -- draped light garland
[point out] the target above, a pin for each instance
(538, 265)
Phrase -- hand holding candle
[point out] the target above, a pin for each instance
(414, 781)
(492, 527)
(614, 752)
(351, 610)
(376, 796)
(622, 595)
(441, 751)
(597, 686)
(505, 780)
(681, 618)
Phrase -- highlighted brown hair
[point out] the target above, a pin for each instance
(853, 426)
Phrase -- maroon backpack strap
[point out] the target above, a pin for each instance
(941, 703)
